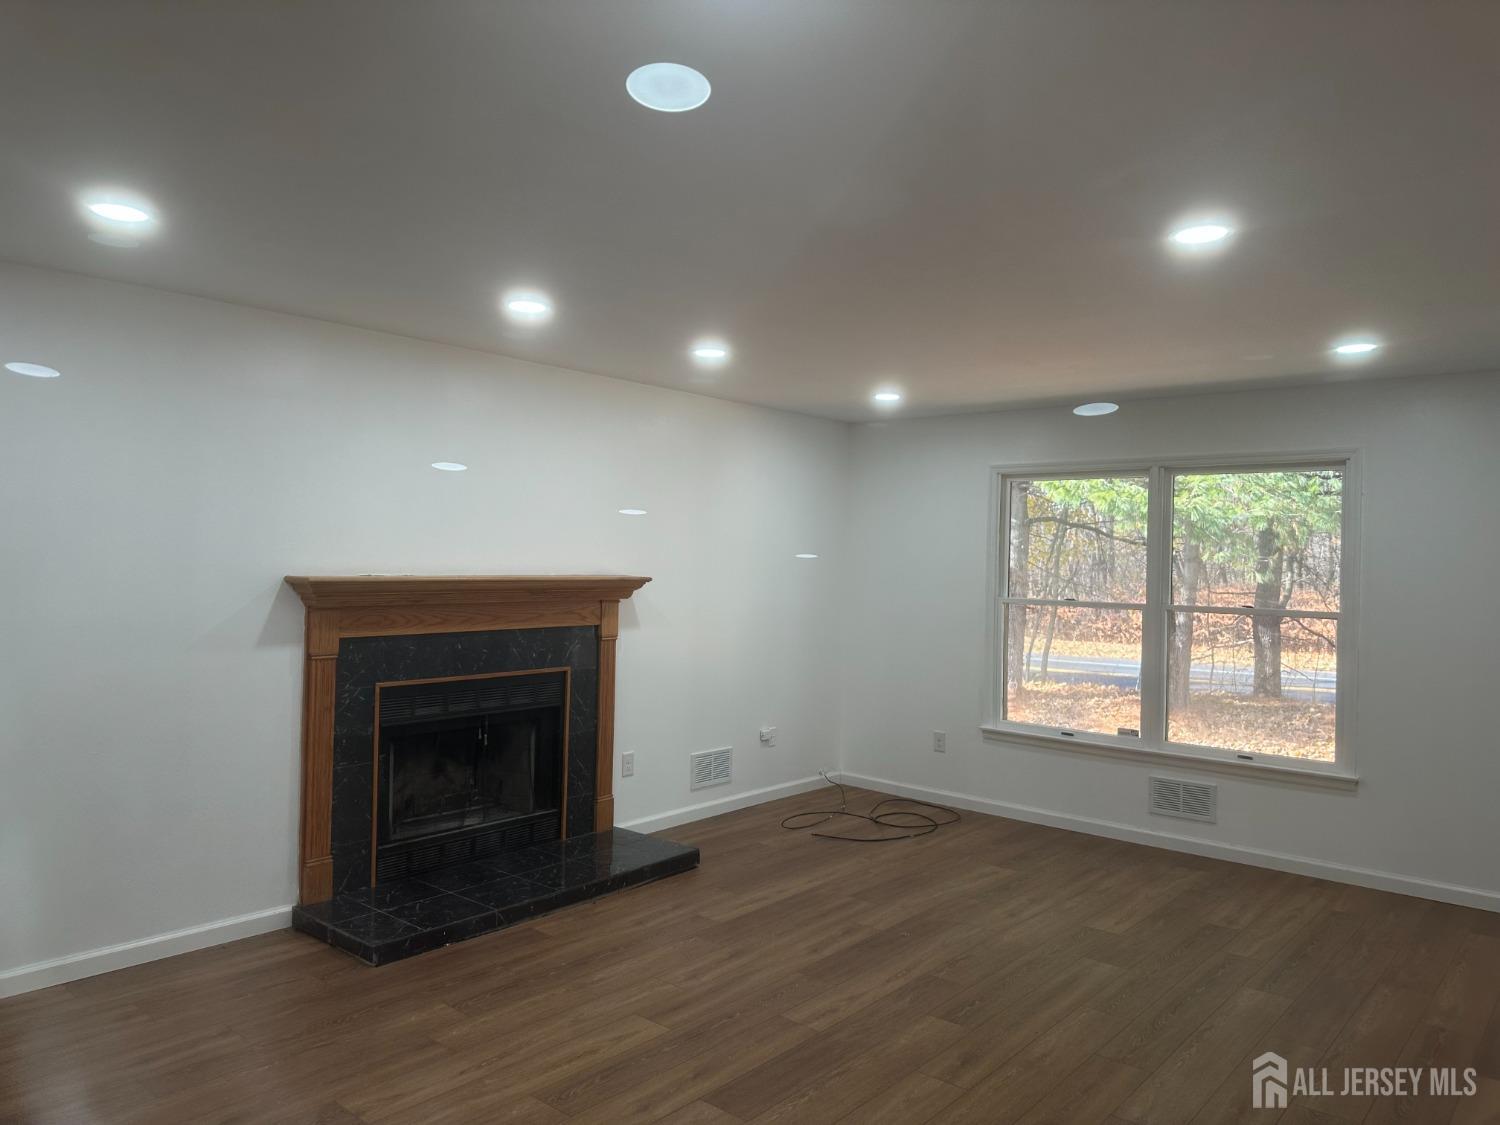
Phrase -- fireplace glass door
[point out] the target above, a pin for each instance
(468, 768)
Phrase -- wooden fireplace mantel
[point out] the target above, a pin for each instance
(380, 605)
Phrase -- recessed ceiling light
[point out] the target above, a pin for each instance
(1201, 234)
(1095, 409)
(1356, 347)
(805, 556)
(119, 212)
(886, 398)
(632, 511)
(449, 466)
(118, 217)
(35, 370)
(669, 87)
(710, 352)
(531, 307)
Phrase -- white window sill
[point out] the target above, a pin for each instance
(1267, 770)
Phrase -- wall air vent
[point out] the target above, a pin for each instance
(710, 767)
(1190, 800)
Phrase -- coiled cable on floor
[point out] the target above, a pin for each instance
(924, 825)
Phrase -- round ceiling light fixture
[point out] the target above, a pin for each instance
(527, 306)
(1201, 234)
(886, 398)
(668, 87)
(450, 466)
(1096, 409)
(112, 212)
(710, 353)
(805, 555)
(1356, 349)
(34, 370)
(119, 218)
(632, 511)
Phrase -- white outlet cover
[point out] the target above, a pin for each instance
(627, 764)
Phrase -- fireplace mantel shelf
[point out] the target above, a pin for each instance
(365, 591)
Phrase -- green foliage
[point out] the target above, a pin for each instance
(1225, 512)
(1123, 499)
(1084, 537)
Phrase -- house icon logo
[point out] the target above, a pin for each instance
(1268, 1081)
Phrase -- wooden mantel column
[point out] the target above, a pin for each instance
(371, 605)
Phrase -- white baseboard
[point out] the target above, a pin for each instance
(689, 813)
(60, 970)
(1279, 861)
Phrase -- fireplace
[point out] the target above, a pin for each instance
(468, 767)
(458, 757)
(371, 638)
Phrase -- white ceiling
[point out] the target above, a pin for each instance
(966, 199)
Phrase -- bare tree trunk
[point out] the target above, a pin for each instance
(1047, 644)
(1180, 666)
(1269, 566)
(1054, 586)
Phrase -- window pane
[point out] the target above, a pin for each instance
(1083, 539)
(1082, 668)
(1256, 685)
(1267, 539)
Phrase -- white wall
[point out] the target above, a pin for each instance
(1428, 654)
(195, 452)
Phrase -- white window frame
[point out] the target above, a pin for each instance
(1152, 743)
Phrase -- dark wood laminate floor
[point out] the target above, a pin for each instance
(995, 972)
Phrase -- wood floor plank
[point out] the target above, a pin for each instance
(913, 1100)
(1483, 1108)
(1186, 1079)
(824, 1078)
(1087, 1094)
(1009, 1093)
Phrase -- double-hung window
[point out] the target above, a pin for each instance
(1190, 608)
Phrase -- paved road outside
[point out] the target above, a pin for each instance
(1311, 687)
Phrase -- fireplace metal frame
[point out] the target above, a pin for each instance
(567, 674)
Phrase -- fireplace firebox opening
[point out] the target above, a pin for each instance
(467, 768)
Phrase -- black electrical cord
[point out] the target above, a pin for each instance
(925, 826)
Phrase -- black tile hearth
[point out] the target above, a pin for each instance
(399, 919)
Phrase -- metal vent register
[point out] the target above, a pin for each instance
(711, 767)
(1189, 800)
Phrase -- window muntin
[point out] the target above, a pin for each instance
(1239, 585)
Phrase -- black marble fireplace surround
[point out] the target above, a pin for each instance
(367, 661)
(397, 918)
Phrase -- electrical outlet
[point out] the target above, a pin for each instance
(627, 764)
(768, 736)
(939, 742)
